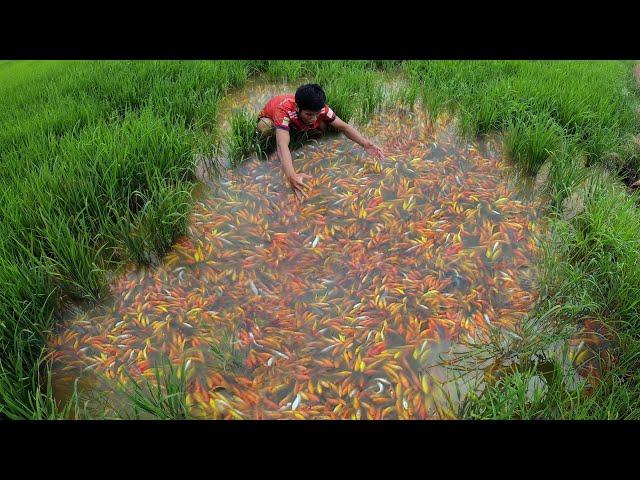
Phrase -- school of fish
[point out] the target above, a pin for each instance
(336, 307)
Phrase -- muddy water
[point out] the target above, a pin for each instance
(340, 307)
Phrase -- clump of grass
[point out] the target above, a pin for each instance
(163, 398)
(592, 102)
(342, 100)
(566, 172)
(242, 141)
(207, 155)
(434, 102)
(354, 94)
(227, 356)
(74, 263)
(530, 141)
(25, 375)
(146, 235)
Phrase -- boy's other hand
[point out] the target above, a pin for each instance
(297, 183)
(375, 151)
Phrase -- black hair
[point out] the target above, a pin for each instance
(310, 97)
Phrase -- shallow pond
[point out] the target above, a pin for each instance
(341, 306)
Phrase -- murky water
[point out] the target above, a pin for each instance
(339, 307)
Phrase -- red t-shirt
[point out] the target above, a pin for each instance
(282, 111)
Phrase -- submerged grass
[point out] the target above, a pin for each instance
(227, 356)
(163, 398)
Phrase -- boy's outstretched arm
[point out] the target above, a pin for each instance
(295, 179)
(352, 134)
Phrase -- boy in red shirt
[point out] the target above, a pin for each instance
(306, 112)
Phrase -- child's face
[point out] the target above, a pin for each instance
(309, 116)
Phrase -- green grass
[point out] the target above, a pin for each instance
(145, 236)
(97, 166)
(590, 103)
(580, 118)
(226, 355)
(243, 140)
(98, 162)
(531, 141)
(164, 397)
(591, 268)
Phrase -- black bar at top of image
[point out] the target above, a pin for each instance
(305, 30)
(214, 52)
(442, 39)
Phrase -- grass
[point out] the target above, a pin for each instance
(226, 355)
(538, 103)
(243, 140)
(531, 141)
(97, 166)
(591, 269)
(147, 234)
(162, 398)
(98, 163)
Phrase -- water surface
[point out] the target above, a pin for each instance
(338, 307)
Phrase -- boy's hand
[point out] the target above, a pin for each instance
(374, 150)
(297, 183)
(352, 134)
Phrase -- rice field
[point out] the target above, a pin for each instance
(167, 297)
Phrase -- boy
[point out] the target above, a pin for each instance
(306, 112)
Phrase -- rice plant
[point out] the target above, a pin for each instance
(531, 141)
(227, 356)
(146, 235)
(590, 269)
(242, 140)
(162, 398)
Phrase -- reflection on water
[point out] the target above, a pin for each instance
(339, 307)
